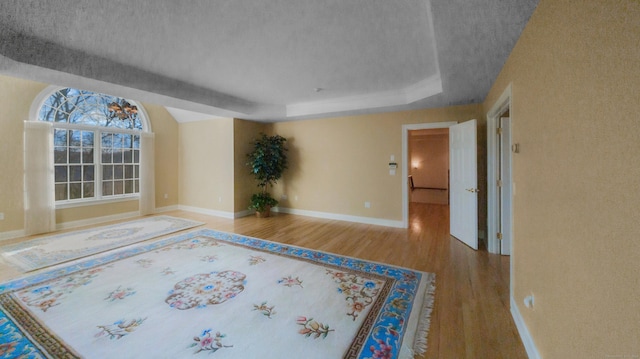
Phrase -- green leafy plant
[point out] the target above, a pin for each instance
(260, 202)
(267, 161)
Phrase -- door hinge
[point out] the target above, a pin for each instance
(499, 183)
(499, 235)
(499, 130)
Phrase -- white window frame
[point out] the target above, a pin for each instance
(97, 150)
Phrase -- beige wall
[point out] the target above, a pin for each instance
(429, 160)
(244, 132)
(575, 75)
(165, 128)
(337, 164)
(16, 97)
(206, 164)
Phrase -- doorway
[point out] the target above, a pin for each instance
(429, 166)
(406, 164)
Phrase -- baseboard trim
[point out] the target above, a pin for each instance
(209, 212)
(12, 234)
(164, 209)
(526, 337)
(244, 213)
(340, 217)
(96, 220)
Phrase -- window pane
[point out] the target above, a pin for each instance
(87, 138)
(106, 155)
(128, 186)
(107, 140)
(136, 141)
(137, 186)
(107, 172)
(74, 137)
(128, 172)
(75, 173)
(117, 187)
(127, 156)
(107, 188)
(117, 140)
(87, 155)
(136, 171)
(88, 173)
(88, 190)
(117, 156)
(75, 190)
(60, 155)
(118, 171)
(61, 173)
(74, 155)
(136, 156)
(60, 138)
(126, 141)
(61, 192)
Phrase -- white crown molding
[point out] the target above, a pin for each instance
(420, 90)
(340, 217)
(526, 337)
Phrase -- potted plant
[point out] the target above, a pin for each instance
(267, 162)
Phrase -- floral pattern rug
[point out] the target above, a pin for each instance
(209, 294)
(50, 250)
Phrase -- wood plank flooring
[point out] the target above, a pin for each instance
(471, 317)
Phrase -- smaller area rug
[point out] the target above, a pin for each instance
(50, 250)
(209, 294)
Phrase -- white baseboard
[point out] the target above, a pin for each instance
(244, 213)
(209, 212)
(526, 337)
(96, 220)
(167, 209)
(341, 217)
(12, 234)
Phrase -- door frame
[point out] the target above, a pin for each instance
(493, 116)
(405, 161)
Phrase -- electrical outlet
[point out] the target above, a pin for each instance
(1, 216)
(367, 205)
(166, 195)
(283, 197)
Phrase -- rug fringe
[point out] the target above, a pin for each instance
(421, 339)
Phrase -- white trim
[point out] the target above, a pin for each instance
(167, 209)
(96, 220)
(12, 234)
(405, 160)
(503, 102)
(427, 87)
(244, 213)
(526, 337)
(340, 217)
(209, 212)
(96, 202)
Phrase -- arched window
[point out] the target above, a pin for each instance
(96, 139)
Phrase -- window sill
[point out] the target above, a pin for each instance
(94, 202)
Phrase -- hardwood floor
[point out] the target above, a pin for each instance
(471, 317)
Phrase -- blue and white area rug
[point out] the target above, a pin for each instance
(209, 294)
(50, 250)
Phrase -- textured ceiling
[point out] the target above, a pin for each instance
(268, 60)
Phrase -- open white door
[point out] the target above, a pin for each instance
(464, 183)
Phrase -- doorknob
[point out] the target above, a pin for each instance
(472, 190)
